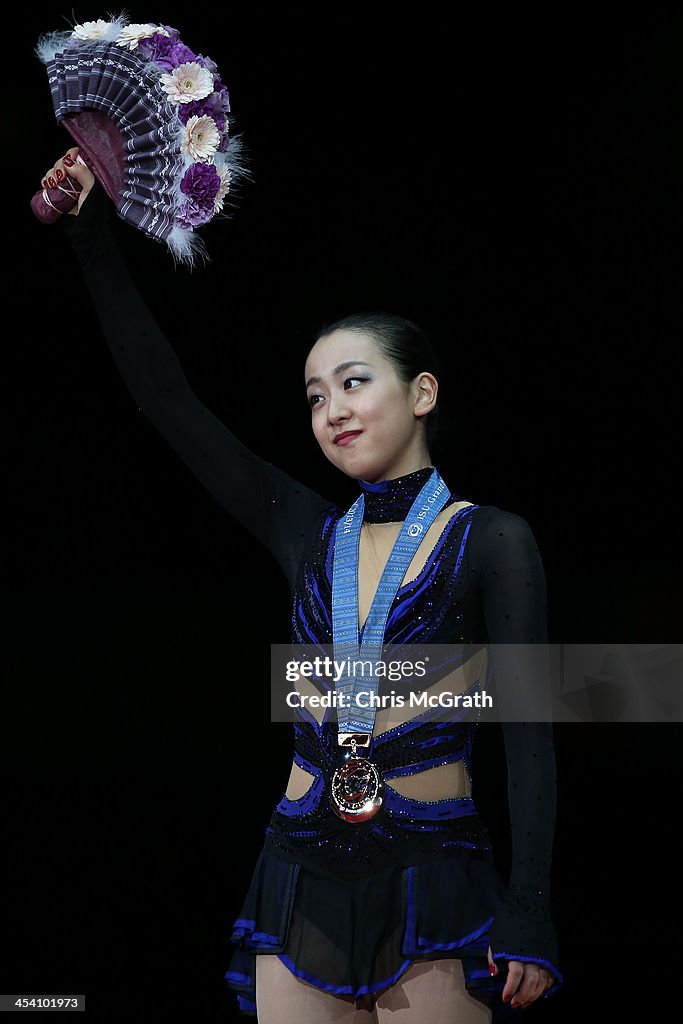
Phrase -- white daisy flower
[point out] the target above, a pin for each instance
(187, 82)
(91, 29)
(223, 189)
(200, 137)
(131, 35)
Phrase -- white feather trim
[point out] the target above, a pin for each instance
(52, 43)
(187, 247)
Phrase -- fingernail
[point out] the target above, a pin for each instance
(68, 160)
(52, 183)
(60, 173)
(44, 182)
(492, 969)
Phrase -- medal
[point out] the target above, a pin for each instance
(357, 787)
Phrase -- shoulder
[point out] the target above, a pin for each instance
(496, 532)
(490, 518)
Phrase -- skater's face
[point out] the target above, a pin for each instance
(368, 422)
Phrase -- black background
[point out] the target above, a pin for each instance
(509, 179)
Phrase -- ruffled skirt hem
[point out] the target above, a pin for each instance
(356, 939)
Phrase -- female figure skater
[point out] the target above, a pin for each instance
(396, 914)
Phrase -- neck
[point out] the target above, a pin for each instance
(390, 500)
(408, 463)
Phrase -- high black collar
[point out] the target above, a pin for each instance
(390, 501)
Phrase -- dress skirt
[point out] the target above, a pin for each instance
(355, 938)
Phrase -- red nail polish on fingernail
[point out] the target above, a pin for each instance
(492, 969)
(44, 183)
(68, 160)
(52, 183)
(59, 173)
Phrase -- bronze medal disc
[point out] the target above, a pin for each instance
(357, 789)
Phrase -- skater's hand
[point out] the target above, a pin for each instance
(70, 165)
(525, 982)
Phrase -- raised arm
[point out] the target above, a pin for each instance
(270, 504)
(506, 562)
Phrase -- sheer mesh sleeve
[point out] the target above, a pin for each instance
(506, 562)
(271, 505)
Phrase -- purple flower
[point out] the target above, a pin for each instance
(167, 53)
(181, 54)
(222, 91)
(173, 32)
(200, 183)
(221, 106)
(191, 214)
(224, 99)
(202, 108)
(209, 64)
(156, 47)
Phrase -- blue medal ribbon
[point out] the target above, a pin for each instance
(345, 633)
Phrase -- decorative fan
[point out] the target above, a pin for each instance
(151, 120)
